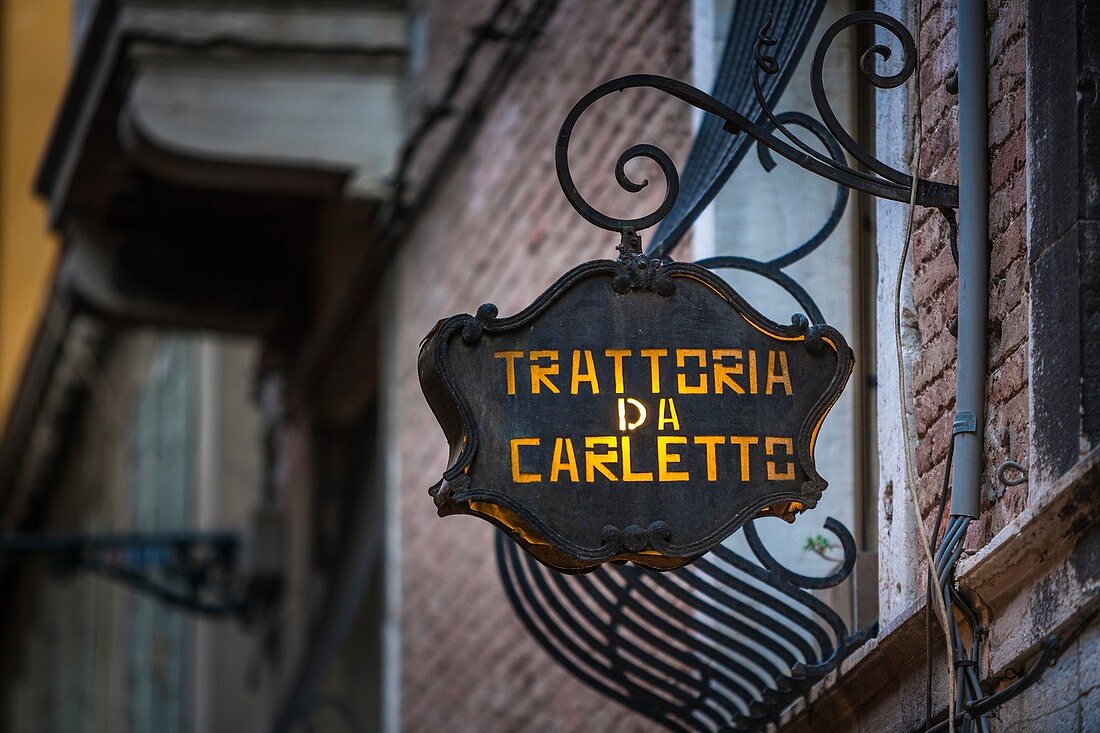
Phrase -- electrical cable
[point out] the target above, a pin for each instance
(967, 692)
(910, 474)
(928, 615)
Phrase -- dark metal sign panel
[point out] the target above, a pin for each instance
(637, 410)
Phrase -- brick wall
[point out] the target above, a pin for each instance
(497, 229)
(935, 285)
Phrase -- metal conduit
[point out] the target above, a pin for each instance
(973, 258)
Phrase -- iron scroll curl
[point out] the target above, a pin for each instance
(880, 179)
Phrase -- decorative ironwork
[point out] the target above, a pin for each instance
(726, 643)
(194, 571)
(882, 181)
(723, 644)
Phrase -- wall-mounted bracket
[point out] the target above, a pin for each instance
(770, 130)
(194, 571)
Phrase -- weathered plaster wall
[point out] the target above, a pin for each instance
(78, 650)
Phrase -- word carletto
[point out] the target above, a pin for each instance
(688, 371)
(730, 459)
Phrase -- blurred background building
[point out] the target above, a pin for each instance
(226, 226)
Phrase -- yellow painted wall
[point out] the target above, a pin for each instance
(35, 58)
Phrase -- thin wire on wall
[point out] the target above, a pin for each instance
(910, 474)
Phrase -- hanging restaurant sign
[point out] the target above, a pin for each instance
(637, 410)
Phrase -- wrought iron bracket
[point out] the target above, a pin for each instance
(194, 571)
(637, 636)
(873, 176)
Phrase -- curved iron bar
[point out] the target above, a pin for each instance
(710, 666)
(883, 181)
(773, 269)
(805, 581)
(780, 639)
(729, 644)
(673, 645)
(621, 612)
(866, 65)
(768, 66)
(586, 664)
(614, 644)
(780, 278)
(840, 200)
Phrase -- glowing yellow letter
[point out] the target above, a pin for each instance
(540, 375)
(510, 366)
(628, 474)
(712, 460)
(783, 376)
(744, 441)
(595, 461)
(617, 355)
(681, 379)
(671, 419)
(664, 458)
(569, 465)
(769, 448)
(722, 373)
(589, 374)
(517, 475)
(654, 356)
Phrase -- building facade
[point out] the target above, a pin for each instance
(264, 207)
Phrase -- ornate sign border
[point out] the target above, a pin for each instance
(459, 491)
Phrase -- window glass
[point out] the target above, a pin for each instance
(763, 215)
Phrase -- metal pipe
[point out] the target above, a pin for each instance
(973, 258)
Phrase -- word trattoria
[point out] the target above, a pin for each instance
(689, 371)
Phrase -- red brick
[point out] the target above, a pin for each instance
(935, 7)
(934, 401)
(1008, 159)
(939, 108)
(1008, 245)
(934, 317)
(1006, 24)
(1006, 115)
(934, 359)
(935, 276)
(1006, 203)
(1007, 380)
(1008, 72)
(930, 236)
(1014, 330)
(1009, 290)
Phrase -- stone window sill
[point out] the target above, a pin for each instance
(1039, 546)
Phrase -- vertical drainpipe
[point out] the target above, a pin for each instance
(973, 258)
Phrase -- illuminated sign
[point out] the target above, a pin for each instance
(637, 410)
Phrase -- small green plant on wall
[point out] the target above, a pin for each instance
(820, 545)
